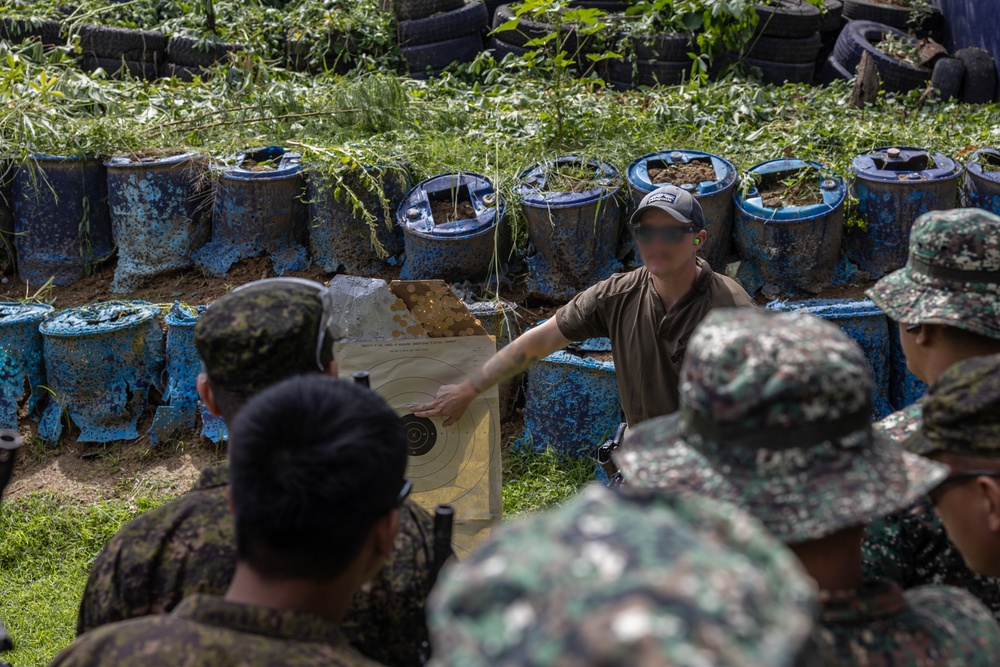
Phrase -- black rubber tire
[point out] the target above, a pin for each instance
(890, 15)
(833, 16)
(183, 50)
(609, 6)
(947, 77)
(831, 71)
(441, 54)
(441, 27)
(791, 18)
(501, 49)
(619, 86)
(145, 46)
(528, 30)
(672, 46)
(784, 49)
(19, 30)
(491, 8)
(182, 72)
(775, 73)
(979, 83)
(408, 10)
(135, 69)
(648, 72)
(860, 36)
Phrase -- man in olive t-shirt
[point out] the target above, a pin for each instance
(649, 315)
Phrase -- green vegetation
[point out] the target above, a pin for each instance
(533, 481)
(46, 547)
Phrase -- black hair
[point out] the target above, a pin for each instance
(313, 462)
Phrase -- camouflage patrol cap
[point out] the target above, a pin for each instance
(260, 334)
(961, 410)
(775, 418)
(632, 578)
(952, 276)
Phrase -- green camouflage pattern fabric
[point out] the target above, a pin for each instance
(208, 631)
(901, 424)
(963, 240)
(880, 626)
(626, 578)
(188, 546)
(251, 338)
(775, 389)
(961, 410)
(911, 546)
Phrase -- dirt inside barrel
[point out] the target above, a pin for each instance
(452, 211)
(798, 187)
(692, 172)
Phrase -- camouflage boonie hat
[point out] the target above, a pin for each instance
(961, 410)
(952, 276)
(775, 418)
(632, 578)
(260, 334)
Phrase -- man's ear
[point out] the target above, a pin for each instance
(928, 334)
(989, 488)
(700, 237)
(384, 533)
(206, 394)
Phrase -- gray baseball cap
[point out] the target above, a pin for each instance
(679, 204)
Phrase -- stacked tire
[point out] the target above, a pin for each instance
(925, 22)
(969, 76)
(859, 37)
(121, 52)
(188, 57)
(655, 60)
(786, 43)
(434, 34)
(830, 25)
(17, 31)
(514, 42)
(335, 52)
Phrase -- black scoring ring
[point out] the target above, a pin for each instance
(421, 435)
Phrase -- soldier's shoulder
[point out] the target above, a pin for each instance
(958, 616)
(112, 644)
(901, 424)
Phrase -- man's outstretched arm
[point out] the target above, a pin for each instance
(452, 400)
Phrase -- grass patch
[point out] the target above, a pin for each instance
(46, 548)
(534, 481)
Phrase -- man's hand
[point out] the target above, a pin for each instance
(451, 402)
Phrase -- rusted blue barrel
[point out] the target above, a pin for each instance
(180, 376)
(574, 233)
(101, 361)
(259, 207)
(710, 178)
(894, 186)
(7, 254)
(572, 403)
(160, 213)
(981, 187)
(351, 220)
(455, 228)
(786, 247)
(61, 218)
(21, 361)
(867, 325)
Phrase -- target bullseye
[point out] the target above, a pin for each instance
(421, 435)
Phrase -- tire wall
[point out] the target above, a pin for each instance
(971, 24)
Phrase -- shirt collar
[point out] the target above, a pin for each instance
(278, 623)
(872, 601)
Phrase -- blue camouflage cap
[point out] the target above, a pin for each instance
(774, 417)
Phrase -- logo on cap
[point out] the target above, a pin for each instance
(663, 196)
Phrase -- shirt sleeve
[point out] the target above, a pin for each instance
(584, 316)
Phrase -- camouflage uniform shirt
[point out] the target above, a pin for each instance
(911, 547)
(880, 626)
(189, 546)
(207, 631)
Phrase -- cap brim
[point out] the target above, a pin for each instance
(932, 301)
(855, 486)
(634, 220)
